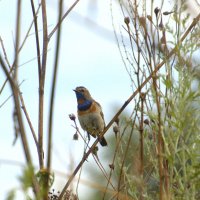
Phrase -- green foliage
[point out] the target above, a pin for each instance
(26, 178)
(11, 195)
(163, 163)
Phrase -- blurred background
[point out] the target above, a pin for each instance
(89, 57)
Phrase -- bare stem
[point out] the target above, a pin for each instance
(36, 36)
(17, 34)
(142, 96)
(50, 125)
(64, 16)
(28, 118)
(41, 85)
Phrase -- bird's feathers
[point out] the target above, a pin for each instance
(90, 114)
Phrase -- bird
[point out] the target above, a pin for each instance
(90, 114)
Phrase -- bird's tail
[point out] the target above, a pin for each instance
(103, 141)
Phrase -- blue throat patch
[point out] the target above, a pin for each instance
(86, 103)
(84, 106)
(79, 95)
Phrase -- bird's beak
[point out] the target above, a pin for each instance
(74, 90)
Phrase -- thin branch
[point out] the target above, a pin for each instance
(50, 123)
(160, 140)
(29, 29)
(41, 85)
(124, 159)
(17, 34)
(28, 119)
(20, 48)
(1, 105)
(64, 16)
(4, 52)
(3, 65)
(4, 102)
(142, 96)
(36, 35)
(117, 147)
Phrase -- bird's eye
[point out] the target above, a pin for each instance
(82, 90)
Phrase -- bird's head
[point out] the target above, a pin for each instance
(82, 93)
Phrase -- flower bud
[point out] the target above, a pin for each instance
(146, 121)
(156, 11)
(72, 117)
(111, 166)
(116, 129)
(126, 20)
(75, 136)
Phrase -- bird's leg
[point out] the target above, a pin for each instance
(99, 136)
(88, 137)
(86, 144)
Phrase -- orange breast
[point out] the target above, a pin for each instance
(92, 109)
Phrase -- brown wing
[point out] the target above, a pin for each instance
(101, 113)
(102, 141)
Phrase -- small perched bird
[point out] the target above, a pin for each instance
(90, 114)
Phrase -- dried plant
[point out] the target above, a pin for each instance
(156, 148)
